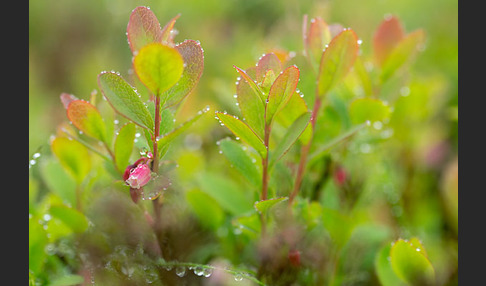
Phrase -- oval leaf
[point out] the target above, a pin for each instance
(267, 62)
(87, 118)
(143, 28)
(225, 192)
(241, 130)
(387, 36)
(402, 53)
(193, 56)
(73, 156)
(265, 205)
(281, 91)
(73, 218)
(363, 109)
(337, 60)
(124, 99)
(411, 265)
(384, 270)
(251, 106)
(124, 145)
(293, 110)
(158, 67)
(318, 37)
(234, 152)
(252, 84)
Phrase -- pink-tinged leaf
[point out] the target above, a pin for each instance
(251, 106)
(193, 57)
(143, 28)
(281, 91)
(267, 62)
(159, 67)
(403, 52)
(245, 133)
(337, 60)
(87, 118)
(253, 85)
(167, 35)
(67, 98)
(317, 38)
(387, 36)
(335, 29)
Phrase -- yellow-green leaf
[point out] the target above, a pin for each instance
(73, 156)
(159, 67)
(124, 145)
(410, 264)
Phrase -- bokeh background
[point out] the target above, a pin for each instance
(72, 41)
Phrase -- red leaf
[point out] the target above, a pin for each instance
(387, 36)
(143, 28)
(267, 62)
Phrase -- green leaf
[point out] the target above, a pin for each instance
(240, 160)
(143, 28)
(37, 242)
(293, 110)
(249, 224)
(384, 270)
(410, 265)
(124, 99)
(402, 53)
(363, 76)
(124, 146)
(73, 156)
(339, 226)
(228, 194)
(263, 206)
(58, 181)
(282, 89)
(387, 36)
(292, 134)
(164, 139)
(87, 118)
(337, 60)
(252, 84)
(193, 57)
(322, 149)
(73, 218)
(245, 133)
(206, 208)
(364, 109)
(68, 280)
(251, 106)
(159, 67)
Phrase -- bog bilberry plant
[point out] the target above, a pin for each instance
(277, 226)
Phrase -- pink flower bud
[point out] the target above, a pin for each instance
(139, 176)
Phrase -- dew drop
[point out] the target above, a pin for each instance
(180, 271)
(238, 277)
(207, 272)
(36, 155)
(198, 271)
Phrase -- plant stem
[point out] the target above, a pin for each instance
(78, 198)
(155, 169)
(305, 151)
(265, 164)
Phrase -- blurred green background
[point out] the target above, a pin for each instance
(71, 42)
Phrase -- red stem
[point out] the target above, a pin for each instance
(265, 164)
(304, 152)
